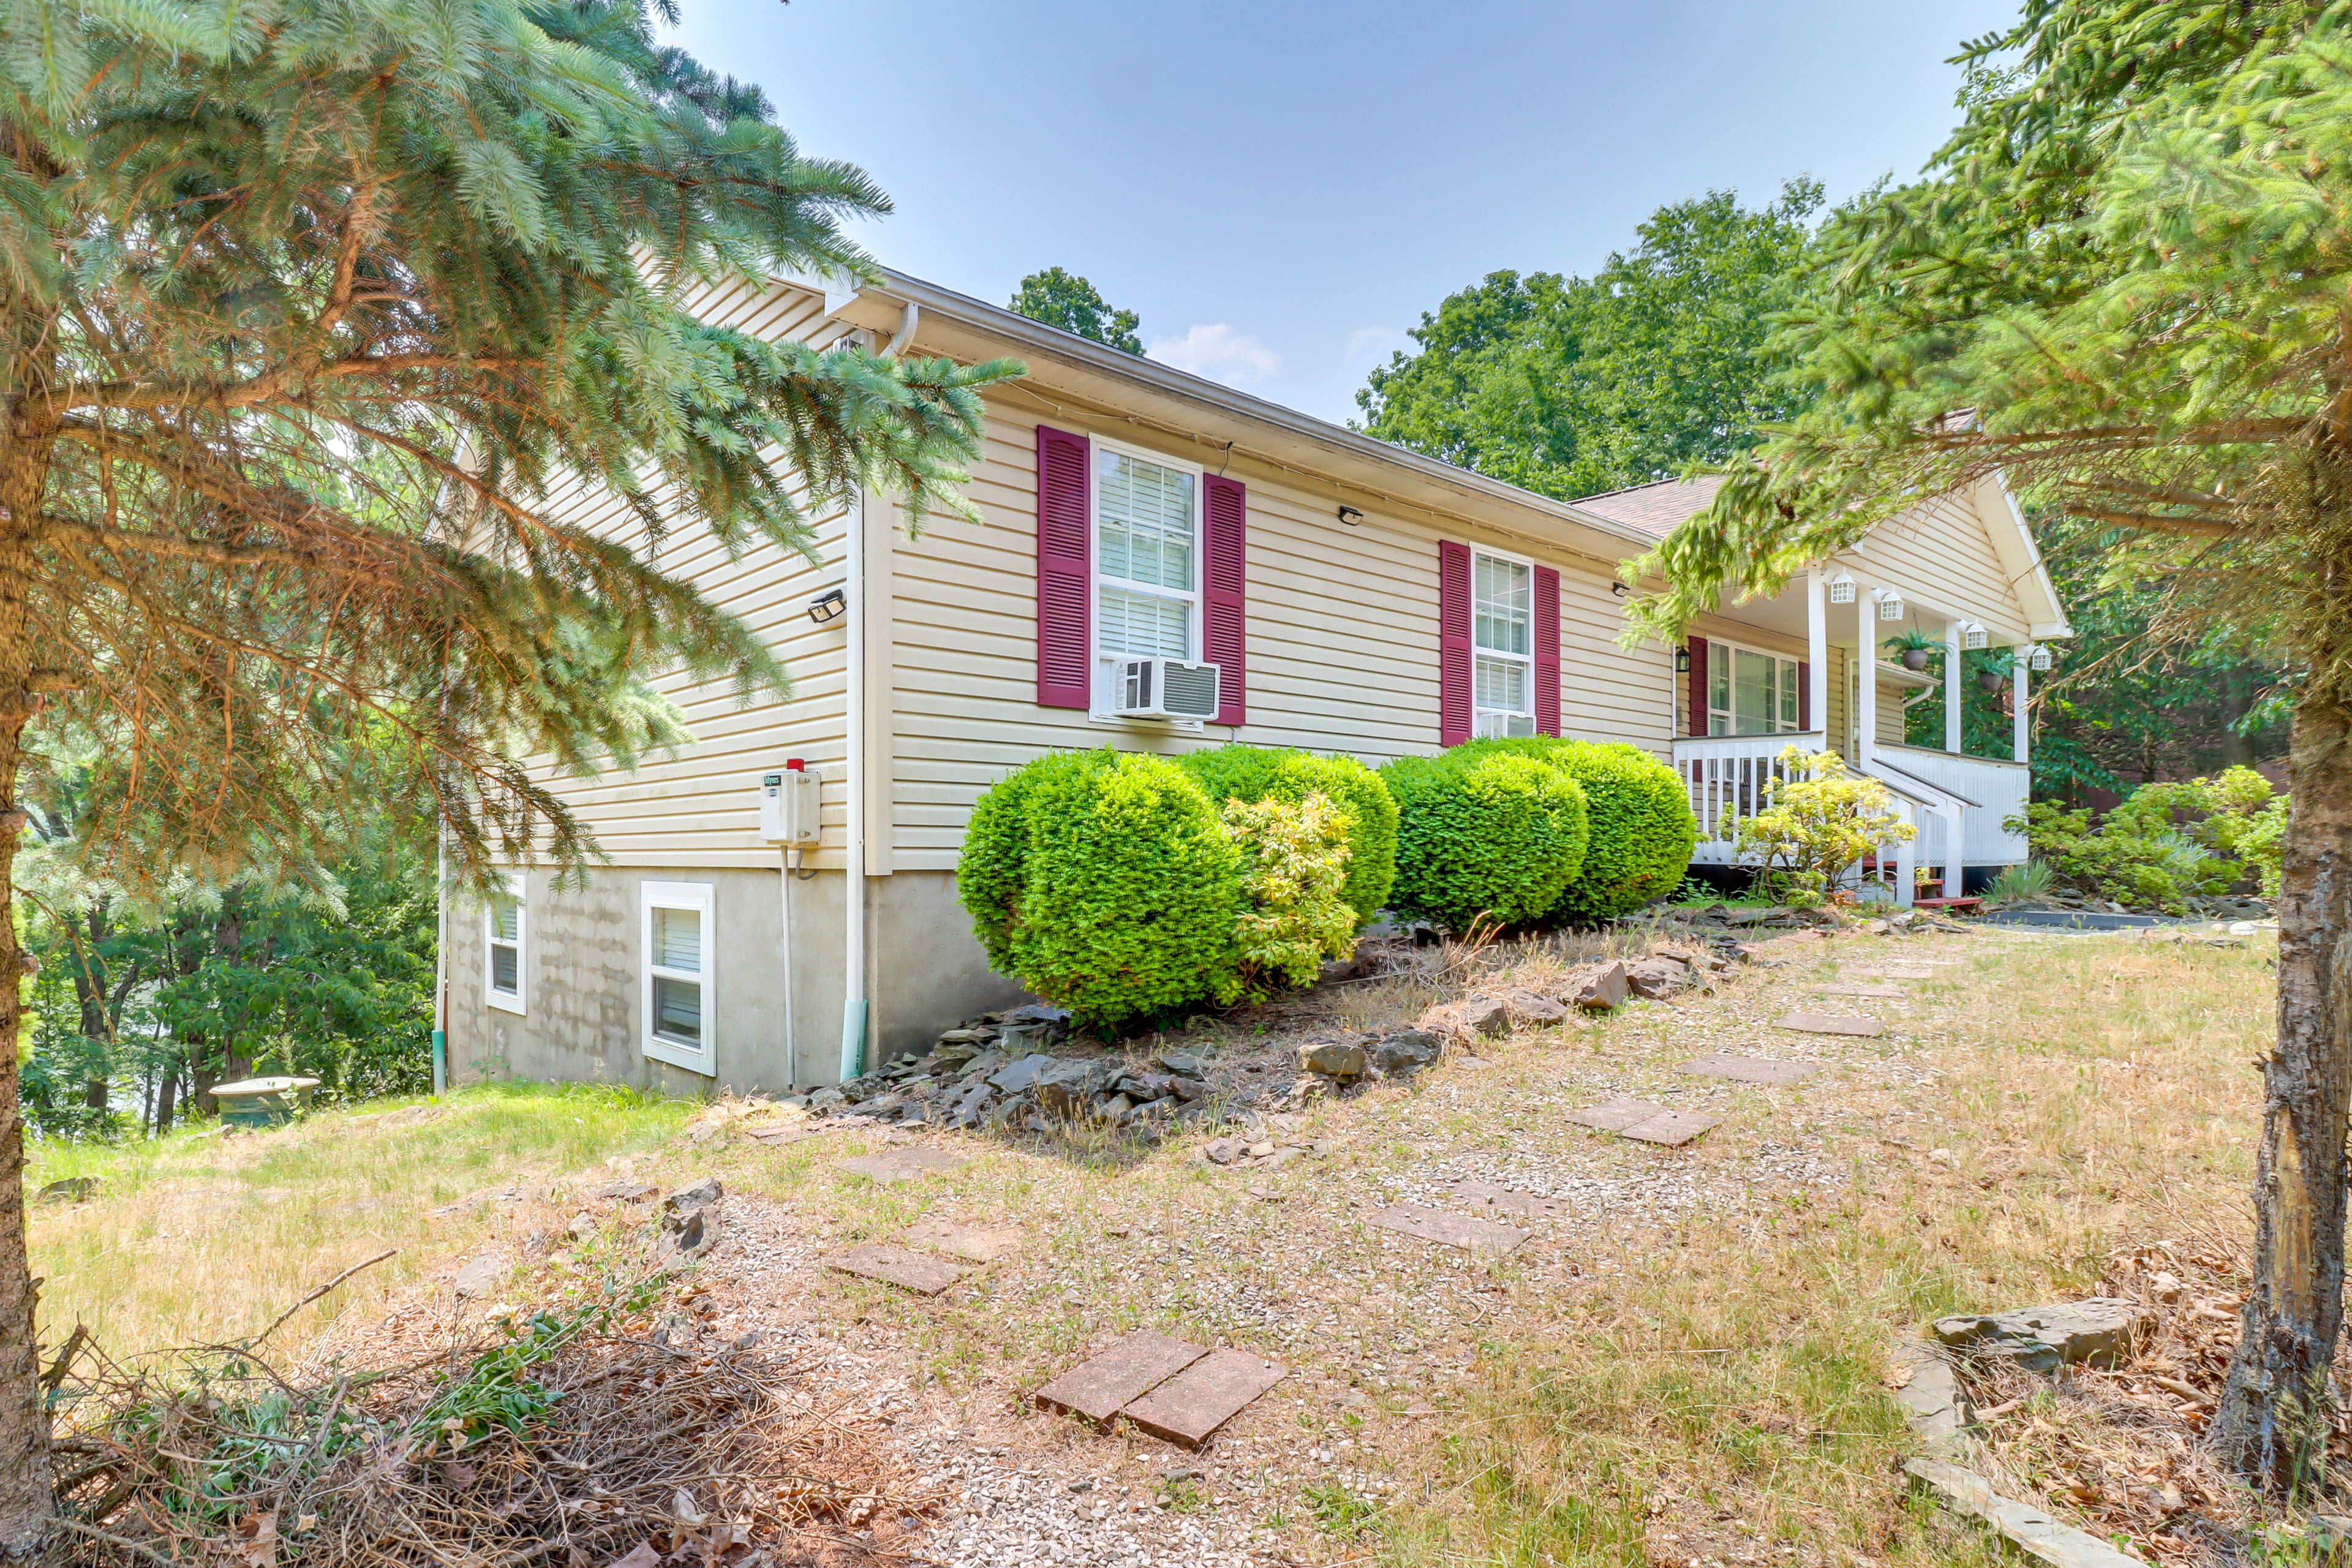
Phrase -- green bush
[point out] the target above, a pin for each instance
(2167, 842)
(1294, 857)
(1273, 772)
(1643, 831)
(1105, 883)
(1484, 834)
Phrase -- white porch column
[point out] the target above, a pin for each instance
(1952, 688)
(1866, 684)
(1817, 650)
(2017, 744)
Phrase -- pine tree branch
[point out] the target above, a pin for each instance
(2157, 523)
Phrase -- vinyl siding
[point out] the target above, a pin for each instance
(1342, 636)
(1942, 559)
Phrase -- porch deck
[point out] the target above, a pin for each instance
(1952, 799)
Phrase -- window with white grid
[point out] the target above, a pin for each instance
(502, 930)
(1749, 692)
(1501, 632)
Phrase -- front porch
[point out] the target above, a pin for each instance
(1739, 714)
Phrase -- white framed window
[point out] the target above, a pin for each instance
(679, 975)
(1146, 544)
(1749, 692)
(505, 935)
(1503, 640)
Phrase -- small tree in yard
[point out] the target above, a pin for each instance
(2127, 284)
(1818, 820)
(309, 316)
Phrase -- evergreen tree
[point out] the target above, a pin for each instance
(2125, 284)
(314, 317)
(1066, 300)
(1573, 386)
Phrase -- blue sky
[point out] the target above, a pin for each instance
(1282, 189)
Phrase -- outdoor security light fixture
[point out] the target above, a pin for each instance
(1841, 588)
(1972, 635)
(1890, 606)
(1351, 515)
(828, 607)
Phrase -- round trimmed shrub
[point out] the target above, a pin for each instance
(1483, 834)
(1643, 831)
(1105, 883)
(1256, 773)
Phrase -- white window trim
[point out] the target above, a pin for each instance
(696, 896)
(1794, 661)
(1479, 711)
(517, 1002)
(1099, 700)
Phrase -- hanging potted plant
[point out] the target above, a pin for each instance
(1913, 648)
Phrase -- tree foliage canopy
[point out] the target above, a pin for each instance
(2127, 284)
(1571, 385)
(1066, 300)
(315, 313)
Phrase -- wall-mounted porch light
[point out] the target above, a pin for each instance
(2037, 657)
(1682, 661)
(1841, 588)
(1890, 606)
(828, 607)
(1972, 635)
(1351, 515)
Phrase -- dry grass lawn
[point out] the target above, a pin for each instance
(1685, 1366)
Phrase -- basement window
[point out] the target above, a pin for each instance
(678, 975)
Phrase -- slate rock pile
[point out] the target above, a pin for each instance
(1353, 1059)
(990, 1075)
(1722, 917)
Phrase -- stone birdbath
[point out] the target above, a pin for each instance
(263, 1101)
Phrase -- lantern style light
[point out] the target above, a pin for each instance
(1972, 635)
(1682, 661)
(1890, 606)
(1841, 588)
(2037, 657)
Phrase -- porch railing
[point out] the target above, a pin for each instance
(1726, 776)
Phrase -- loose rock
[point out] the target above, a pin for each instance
(2099, 1332)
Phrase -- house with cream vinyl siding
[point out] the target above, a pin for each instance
(1353, 598)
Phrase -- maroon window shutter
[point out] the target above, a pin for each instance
(1225, 602)
(1453, 710)
(1804, 695)
(1546, 651)
(1698, 686)
(1064, 650)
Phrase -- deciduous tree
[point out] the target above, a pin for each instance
(1066, 300)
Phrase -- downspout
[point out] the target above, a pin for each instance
(853, 1004)
(906, 332)
(440, 962)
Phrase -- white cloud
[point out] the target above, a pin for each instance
(1374, 342)
(1220, 354)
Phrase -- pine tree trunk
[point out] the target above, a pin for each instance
(2271, 1424)
(27, 1503)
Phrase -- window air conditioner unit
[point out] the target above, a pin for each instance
(1166, 689)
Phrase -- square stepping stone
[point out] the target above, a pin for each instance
(916, 1272)
(1834, 1023)
(1751, 1070)
(1617, 1114)
(1446, 1230)
(1100, 1386)
(1646, 1122)
(1487, 1197)
(1202, 1397)
(1672, 1130)
(976, 1243)
(901, 1165)
(1881, 992)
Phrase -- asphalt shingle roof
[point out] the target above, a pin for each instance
(1654, 509)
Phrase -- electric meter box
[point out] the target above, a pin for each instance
(790, 803)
